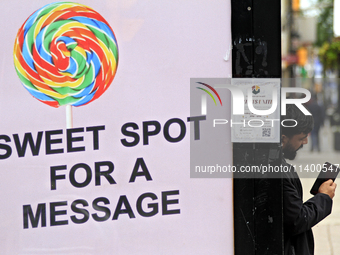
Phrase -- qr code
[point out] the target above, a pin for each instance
(266, 132)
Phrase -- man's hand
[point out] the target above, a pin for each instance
(328, 187)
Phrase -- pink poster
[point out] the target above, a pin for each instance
(100, 163)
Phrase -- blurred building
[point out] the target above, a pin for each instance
(298, 36)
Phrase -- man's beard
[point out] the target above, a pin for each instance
(289, 152)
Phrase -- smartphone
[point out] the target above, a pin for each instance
(328, 171)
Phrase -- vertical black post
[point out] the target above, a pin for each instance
(258, 221)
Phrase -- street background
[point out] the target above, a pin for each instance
(310, 35)
(327, 232)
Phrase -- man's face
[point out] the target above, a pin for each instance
(290, 145)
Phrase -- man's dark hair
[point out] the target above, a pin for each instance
(304, 123)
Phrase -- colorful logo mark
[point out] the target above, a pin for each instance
(255, 89)
(209, 93)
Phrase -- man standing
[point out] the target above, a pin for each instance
(299, 217)
(319, 117)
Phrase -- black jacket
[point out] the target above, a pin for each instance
(299, 217)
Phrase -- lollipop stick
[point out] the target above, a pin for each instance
(69, 119)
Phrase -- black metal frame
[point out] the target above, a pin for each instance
(258, 220)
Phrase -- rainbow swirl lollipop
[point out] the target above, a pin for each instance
(66, 54)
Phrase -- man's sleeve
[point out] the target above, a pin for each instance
(298, 216)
